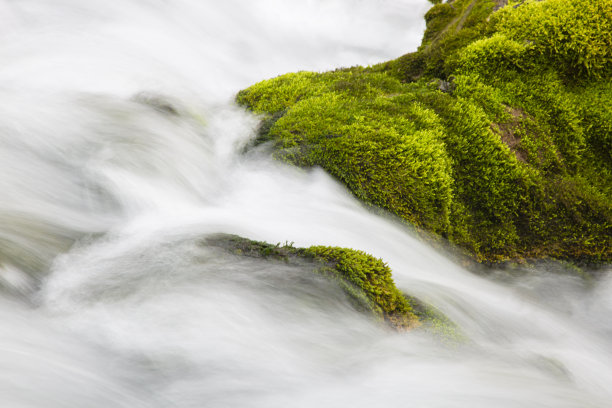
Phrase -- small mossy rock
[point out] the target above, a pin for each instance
(371, 276)
(510, 160)
(365, 279)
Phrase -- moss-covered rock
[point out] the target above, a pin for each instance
(495, 134)
(365, 279)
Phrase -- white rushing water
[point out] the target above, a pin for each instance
(119, 148)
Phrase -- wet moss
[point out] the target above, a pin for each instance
(496, 133)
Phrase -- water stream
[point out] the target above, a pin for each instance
(120, 150)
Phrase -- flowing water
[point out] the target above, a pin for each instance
(119, 153)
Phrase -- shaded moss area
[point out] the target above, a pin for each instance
(365, 279)
(496, 134)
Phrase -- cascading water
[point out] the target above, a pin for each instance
(119, 151)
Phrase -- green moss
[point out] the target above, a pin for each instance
(283, 92)
(437, 18)
(365, 279)
(493, 198)
(488, 56)
(450, 26)
(574, 34)
(495, 134)
(372, 277)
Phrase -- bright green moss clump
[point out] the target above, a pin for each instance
(372, 277)
(496, 133)
(365, 279)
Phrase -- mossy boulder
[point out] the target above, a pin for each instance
(496, 134)
(365, 280)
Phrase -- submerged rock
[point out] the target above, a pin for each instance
(158, 102)
(365, 280)
(494, 135)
